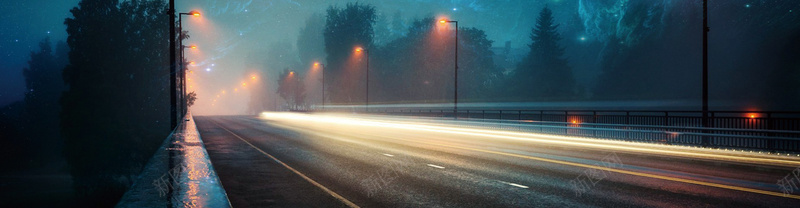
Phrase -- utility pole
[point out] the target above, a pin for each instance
(173, 100)
(705, 121)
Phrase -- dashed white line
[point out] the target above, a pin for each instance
(514, 184)
(435, 166)
(388, 155)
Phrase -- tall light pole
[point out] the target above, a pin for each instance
(183, 68)
(172, 78)
(455, 71)
(359, 50)
(705, 120)
(323, 82)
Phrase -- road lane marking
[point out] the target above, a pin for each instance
(334, 194)
(514, 184)
(388, 155)
(436, 166)
(690, 181)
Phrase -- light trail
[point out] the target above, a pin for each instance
(677, 151)
(336, 123)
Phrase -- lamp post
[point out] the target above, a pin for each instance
(323, 82)
(183, 68)
(173, 110)
(359, 50)
(705, 120)
(455, 95)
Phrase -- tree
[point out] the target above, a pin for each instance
(291, 89)
(345, 29)
(478, 75)
(190, 98)
(116, 111)
(44, 87)
(544, 73)
(310, 42)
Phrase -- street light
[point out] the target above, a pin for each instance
(182, 71)
(317, 64)
(359, 50)
(455, 95)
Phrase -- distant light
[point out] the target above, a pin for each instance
(316, 63)
(213, 64)
(747, 6)
(752, 115)
(574, 122)
(195, 13)
(244, 84)
(454, 9)
(191, 63)
(193, 47)
(359, 49)
(48, 32)
(582, 38)
(253, 77)
(443, 21)
(208, 69)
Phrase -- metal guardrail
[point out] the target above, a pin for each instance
(774, 131)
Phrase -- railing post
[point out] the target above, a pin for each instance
(771, 141)
(594, 121)
(627, 125)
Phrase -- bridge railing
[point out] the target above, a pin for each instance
(772, 131)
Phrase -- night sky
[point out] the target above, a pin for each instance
(229, 30)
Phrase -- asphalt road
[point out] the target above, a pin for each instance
(291, 162)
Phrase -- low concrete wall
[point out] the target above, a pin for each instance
(180, 174)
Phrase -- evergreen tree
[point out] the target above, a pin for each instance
(544, 73)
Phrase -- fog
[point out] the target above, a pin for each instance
(235, 39)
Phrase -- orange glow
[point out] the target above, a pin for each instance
(236, 89)
(195, 13)
(316, 63)
(191, 63)
(443, 21)
(253, 77)
(574, 122)
(359, 49)
(244, 84)
(752, 115)
(291, 73)
(193, 47)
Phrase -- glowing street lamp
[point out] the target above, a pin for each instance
(317, 64)
(455, 95)
(359, 50)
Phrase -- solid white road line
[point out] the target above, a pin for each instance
(388, 155)
(334, 194)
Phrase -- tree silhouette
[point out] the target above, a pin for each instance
(291, 89)
(115, 113)
(544, 73)
(44, 87)
(345, 29)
